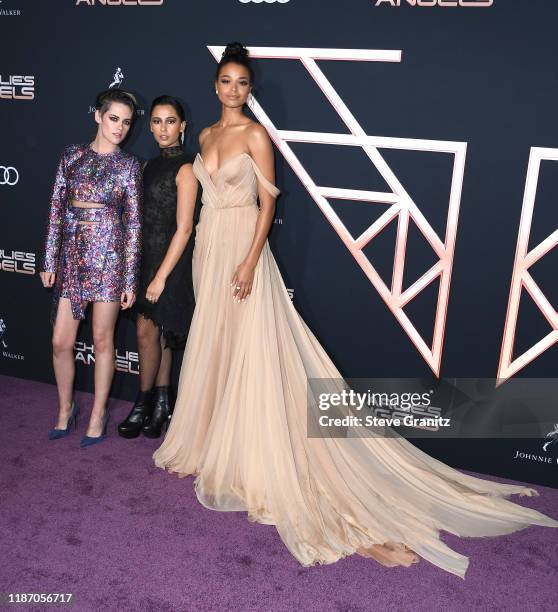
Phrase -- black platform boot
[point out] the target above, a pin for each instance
(161, 415)
(139, 415)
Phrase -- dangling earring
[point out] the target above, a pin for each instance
(181, 136)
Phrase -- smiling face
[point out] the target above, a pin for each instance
(166, 126)
(233, 85)
(114, 123)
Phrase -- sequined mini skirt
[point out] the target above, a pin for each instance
(95, 272)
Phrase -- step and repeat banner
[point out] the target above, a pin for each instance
(416, 147)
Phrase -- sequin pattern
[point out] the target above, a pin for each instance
(94, 262)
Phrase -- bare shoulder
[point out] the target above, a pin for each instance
(259, 142)
(185, 174)
(204, 134)
(186, 169)
(257, 133)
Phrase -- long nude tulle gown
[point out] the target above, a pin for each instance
(240, 421)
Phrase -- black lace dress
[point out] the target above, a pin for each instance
(173, 310)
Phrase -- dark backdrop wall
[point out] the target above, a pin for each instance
(478, 73)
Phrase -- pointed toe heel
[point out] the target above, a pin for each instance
(56, 434)
(91, 440)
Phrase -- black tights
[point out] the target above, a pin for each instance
(154, 360)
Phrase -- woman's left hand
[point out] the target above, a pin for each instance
(156, 287)
(127, 299)
(242, 281)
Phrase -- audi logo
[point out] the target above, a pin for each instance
(8, 175)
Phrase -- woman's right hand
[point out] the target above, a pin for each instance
(47, 278)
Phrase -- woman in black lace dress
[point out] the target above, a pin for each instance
(165, 300)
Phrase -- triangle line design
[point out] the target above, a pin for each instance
(402, 204)
(522, 280)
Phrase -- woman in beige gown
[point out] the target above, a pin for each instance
(240, 420)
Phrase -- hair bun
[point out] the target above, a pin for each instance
(235, 49)
(235, 53)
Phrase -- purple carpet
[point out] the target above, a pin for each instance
(106, 525)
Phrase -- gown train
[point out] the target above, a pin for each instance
(240, 420)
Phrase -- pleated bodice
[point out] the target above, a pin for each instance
(235, 184)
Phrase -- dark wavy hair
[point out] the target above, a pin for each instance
(107, 97)
(236, 53)
(171, 101)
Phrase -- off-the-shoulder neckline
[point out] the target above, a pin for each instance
(224, 163)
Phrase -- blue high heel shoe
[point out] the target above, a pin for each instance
(56, 434)
(90, 440)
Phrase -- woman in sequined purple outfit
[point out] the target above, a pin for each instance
(91, 252)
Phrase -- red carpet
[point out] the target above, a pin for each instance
(119, 534)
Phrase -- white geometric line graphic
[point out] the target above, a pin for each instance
(521, 279)
(402, 205)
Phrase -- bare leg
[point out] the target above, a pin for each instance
(163, 375)
(104, 321)
(149, 346)
(63, 341)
